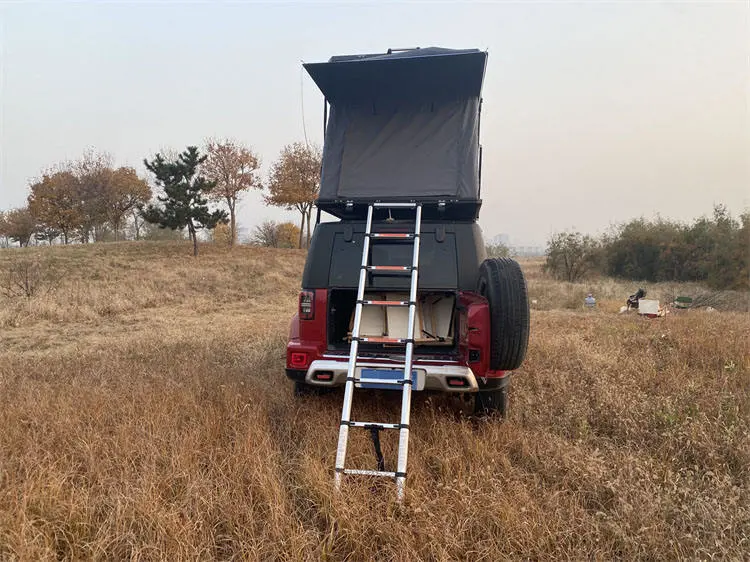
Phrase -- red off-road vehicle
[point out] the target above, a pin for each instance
(404, 128)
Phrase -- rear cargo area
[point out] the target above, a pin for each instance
(435, 324)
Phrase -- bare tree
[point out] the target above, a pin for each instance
(275, 235)
(234, 167)
(137, 223)
(294, 181)
(265, 234)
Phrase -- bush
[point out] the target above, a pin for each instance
(275, 235)
(712, 250)
(222, 235)
(154, 233)
(498, 250)
(571, 256)
(26, 278)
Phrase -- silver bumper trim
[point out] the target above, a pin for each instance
(435, 375)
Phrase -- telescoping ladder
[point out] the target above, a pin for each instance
(405, 382)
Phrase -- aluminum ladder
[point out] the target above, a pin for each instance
(405, 383)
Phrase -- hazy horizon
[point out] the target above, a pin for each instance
(593, 113)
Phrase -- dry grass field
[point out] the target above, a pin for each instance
(145, 416)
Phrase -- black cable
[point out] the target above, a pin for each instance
(375, 434)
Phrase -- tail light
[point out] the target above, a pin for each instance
(307, 305)
(298, 360)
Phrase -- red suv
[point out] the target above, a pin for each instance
(404, 127)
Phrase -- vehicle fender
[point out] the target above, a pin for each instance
(294, 327)
(475, 332)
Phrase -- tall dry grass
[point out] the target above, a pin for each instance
(145, 416)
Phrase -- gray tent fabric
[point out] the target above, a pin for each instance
(414, 141)
(427, 150)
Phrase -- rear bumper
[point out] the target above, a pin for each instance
(444, 377)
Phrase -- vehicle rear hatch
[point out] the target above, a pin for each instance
(436, 297)
(436, 322)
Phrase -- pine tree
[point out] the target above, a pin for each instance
(185, 203)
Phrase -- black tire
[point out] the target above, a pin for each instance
(488, 402)
(502, 283)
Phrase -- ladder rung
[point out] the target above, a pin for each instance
(387, 303)
(392, 382)
(392, 235)
(369, 472)
(389, 267)
(382, 339)
(411, 205)
(374, 424)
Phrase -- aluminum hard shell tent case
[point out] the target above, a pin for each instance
(403, 126)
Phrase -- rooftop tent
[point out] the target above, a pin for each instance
(404, 125)
(413, 74)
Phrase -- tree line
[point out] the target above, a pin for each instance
(714, 250)
(90, 200)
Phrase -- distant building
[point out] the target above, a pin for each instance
(501, 238)
(527, 251)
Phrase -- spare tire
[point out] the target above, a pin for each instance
(502, 283)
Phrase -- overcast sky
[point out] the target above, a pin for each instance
(593, 113)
